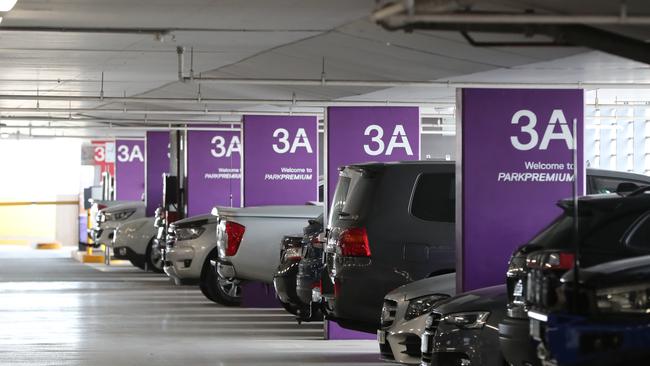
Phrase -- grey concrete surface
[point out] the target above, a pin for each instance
(55, 311)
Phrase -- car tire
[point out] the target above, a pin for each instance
(138, 264)
(154, 260)
(290, 308)
(218, 289)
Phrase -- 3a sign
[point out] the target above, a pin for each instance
(398, 140)
(129, 153)
(219, 148)
(283, 146)
(528, 121)
(280, 160)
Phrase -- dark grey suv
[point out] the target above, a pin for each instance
(390, 224)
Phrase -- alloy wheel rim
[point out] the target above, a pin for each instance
(231, 288)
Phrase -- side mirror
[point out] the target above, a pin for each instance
(626, 187)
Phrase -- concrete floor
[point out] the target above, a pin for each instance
(55, 311)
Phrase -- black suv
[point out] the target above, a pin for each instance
(390, 224)
(603, 222)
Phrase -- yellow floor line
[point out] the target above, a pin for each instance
(48, 246)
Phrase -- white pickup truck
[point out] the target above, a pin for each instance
(248, 242)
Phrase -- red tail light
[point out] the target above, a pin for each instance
(354, 242)
(554, 260)
(101, 207)
(235, 234)
(172, 216)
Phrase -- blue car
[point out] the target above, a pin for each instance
(605, 322)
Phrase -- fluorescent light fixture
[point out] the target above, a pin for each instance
(6, 5)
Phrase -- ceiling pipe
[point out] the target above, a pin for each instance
(418, 84)
(121, 128)
(203, 101)
(457, 18)
(208, 112)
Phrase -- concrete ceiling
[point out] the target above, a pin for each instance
(66, 45)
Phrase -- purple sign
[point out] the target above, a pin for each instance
(213, 174)
(517, 162)
(280, 160)
(364, 134)
(156, 163)
(129, 170)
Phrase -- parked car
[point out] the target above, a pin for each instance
(404, 315)
(463, 329)
(390, 224)
(604, 221)
(600, 181)
(190, 245)
(248, 242)
(134, 240)
(294, 248)
(109, 218)
(607, 317)
(309, 277)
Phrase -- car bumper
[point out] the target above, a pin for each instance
(128, 254)
(402, 342)
(516, 345)
(596, 342)
(284, 282)
(309, 276)
(180, 263)
(356, 303)
(452, 346)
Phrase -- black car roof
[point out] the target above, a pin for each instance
(377, 166)
(610, 201)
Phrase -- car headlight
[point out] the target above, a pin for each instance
(101, 217)
(188, 233)
(422, 305)
(469, 320)
(624, 299)
(118, 216)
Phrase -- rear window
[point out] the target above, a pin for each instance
(597, 230)
(352, 196)
(609, 185)
(434, 198)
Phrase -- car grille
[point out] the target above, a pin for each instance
(388, 312)
(427, 349)
(413, 346)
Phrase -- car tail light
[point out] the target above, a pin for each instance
(101, 207)
(172, 216)
(235, 234)
(354, 242)
(553, 260)
(293, 253)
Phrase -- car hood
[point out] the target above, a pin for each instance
(492, 299)
(297, 212)
(613, 273)
(442, 284)
(123, 207)
(196, 221)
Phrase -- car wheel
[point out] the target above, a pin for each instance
(218, 289)
(138, 264)
(290, 308)
(154, 257)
